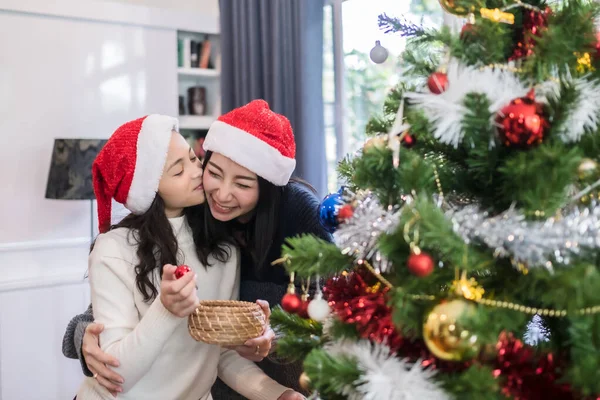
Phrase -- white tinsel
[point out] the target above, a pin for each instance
(447, 111)
(534, 243)
(359, 234)
(384, 376)
(585, 115)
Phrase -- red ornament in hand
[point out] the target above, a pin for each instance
(345, 212)
(181, 271)
(420, 264)
(437, 82)
(522, 123)
(291, 302)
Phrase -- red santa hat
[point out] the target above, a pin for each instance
(256, 138)
(129, 166)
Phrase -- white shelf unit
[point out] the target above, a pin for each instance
(205, 72)
(195, 122)
(208, 78)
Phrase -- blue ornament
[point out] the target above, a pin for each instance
(328, 210)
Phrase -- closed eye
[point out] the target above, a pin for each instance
(243, 186)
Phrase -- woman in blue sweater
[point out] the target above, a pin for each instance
(252, 203)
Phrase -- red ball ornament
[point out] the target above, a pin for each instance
(409, 141)
(420, 264)
(522, 123)
(303, 310)
(467, 31)
(597, 46)
(345, 212)
(181, 271)
(291, 303)
(437, 82)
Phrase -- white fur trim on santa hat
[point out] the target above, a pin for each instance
(250, 152)
(152, 148)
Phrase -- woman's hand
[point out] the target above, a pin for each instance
(179, 296)
(98, 361)
(258, 348)
(291, 395)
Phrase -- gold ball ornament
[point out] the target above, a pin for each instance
(444, 336)
(452, 7)
(304, 381)
(379, 142)
(587, 170)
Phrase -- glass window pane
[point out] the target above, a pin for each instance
(366, 84)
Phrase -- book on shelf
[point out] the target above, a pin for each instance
(204, 61)
(180, 53)
(195, 53)
(187, 53)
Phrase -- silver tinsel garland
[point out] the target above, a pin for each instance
(534, 243)
(358, 235)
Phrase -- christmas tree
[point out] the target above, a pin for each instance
(466, 252)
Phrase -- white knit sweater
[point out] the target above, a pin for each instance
(158, 357)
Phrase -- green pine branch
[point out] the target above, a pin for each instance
(420, 60)
(436, 237)
(329, 375)
(296, 348)
(561, 107)
(487, 42)
(402, 25)
(294, 324)
(590, 145)
(308, 255)
(345, 172)
(374, 170)
(300, 335)
(538, 179)
(481, 160)
(378, 124)
(571, 32)
(341, 330)
(476, 383)
(584, 368)
(408, 314)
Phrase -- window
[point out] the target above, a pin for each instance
(354, 88)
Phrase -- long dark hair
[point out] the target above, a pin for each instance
(157, 244)
(256, 236)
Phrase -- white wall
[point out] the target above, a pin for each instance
(63, 74)
(210, 7)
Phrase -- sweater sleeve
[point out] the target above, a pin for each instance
(304, 209)
(242, 375)
(135, 342)
(73, 338)
(246, 378)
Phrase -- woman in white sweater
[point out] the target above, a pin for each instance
(149, 167)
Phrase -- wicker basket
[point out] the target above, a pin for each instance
(226, 322)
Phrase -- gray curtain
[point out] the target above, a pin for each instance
(273, 49)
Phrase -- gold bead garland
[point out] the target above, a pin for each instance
(546, 312)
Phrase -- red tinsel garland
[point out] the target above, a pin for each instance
(354, 302)
(356, 299)
(534, 23)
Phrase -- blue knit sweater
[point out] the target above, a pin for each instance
(298, 215)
